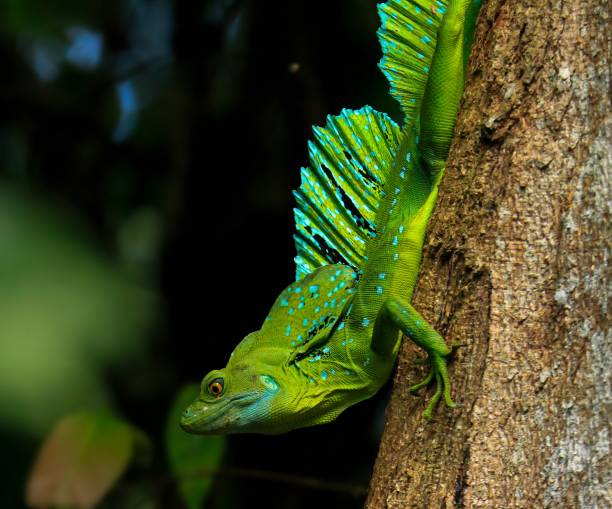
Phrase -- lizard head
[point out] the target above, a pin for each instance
(241, 398)
(268, 385)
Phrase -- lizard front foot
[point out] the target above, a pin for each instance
(439, 372)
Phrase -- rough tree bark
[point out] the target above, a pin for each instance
(516, 267)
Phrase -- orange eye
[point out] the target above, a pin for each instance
(216, 387)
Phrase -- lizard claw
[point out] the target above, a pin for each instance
(439, 372)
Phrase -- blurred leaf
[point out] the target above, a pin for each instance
(191, 457)
(66, 313)
(80, 460)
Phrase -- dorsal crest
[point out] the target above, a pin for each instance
(341, 190)
(352, 156)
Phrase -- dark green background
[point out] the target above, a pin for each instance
(186, 201)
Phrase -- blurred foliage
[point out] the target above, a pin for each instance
(147, 152)
(80, 460)
(192, 459)
(59, 303)
(33, 18)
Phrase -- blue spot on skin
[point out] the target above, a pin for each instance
(397, 190)
(298, 290)
(288, 330)
(365, 322)
(326, 349)
(299, 338)
(300, 305)
(351, 340)
(314, 289)
(382, 275)
(401, 229)
(395, 257)
(291, 311)
(395, 241)
(324, 375)
(317, 309)
(293, 343)
(284, 303)
(305, 322)
(341, 326)
(379, 290)
(344, 343)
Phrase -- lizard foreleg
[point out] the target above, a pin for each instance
(413, 325)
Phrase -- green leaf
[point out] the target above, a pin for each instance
(191, 458)
(80, 460)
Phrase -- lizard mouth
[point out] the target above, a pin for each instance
(212, 418)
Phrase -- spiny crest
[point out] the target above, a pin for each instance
(341, 190)
(351, 157)
(407, 36)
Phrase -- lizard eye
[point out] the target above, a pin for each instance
(216, 387)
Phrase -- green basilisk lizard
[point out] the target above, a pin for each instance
(332, 337)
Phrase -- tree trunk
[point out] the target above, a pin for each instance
(516, 268)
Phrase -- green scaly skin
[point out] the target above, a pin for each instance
(331, 338)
